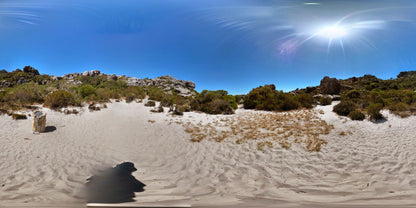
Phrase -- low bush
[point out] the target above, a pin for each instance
(398, 107)
(60, 98)
(268, 98)
(86, 90)
(305, 100)
(325, 100)
(374, 111)
(344, 108)
(356, 115)
(214, 102)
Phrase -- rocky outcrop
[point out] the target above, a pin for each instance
(30, 70)
(167, 83)
(330, 86)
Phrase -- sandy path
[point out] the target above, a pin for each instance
(371, 164)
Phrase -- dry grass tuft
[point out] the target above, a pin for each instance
(262, 145)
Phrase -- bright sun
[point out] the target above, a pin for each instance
(332, 32)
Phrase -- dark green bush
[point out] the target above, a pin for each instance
(344, 108)
(60, 98)
(155, 93)
(86, 90)
(352, 94)
(305, 100)
(268, 98)
(325, 100)
(214, 102)
(374, 111)
(356, 115)
(398, 107)
(94, 81)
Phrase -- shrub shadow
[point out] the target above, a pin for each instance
(379, 121)
(49, 129)
(114, 185)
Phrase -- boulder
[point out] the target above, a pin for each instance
(21, 80)
(86, 73)
(94, 73)
(330, 86)
(190, 84)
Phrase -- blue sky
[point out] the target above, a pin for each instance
(232, 45)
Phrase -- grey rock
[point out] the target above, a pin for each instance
(86, 73)
(21, 81)
(94, 73)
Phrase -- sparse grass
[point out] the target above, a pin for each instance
(303, 127)
(262, 145)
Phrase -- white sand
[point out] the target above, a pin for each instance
(373, 164)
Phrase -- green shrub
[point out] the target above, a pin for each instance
(344, 108)
(398, 107)
(374, 111)
(305, 100)
(94, 81)
(268, 98)
(352, 94)
(214, 102)
(155, 93)
(59, 99)
(86, 90)
(325, 100)
(356, 115)
(263, 97)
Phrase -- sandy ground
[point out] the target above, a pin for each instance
(372, 165)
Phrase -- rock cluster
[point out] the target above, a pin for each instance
(330, 86)
(167, 83)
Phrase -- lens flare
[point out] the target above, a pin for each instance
(333, 32)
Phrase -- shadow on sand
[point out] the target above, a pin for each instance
(114, 185)
(49, 129)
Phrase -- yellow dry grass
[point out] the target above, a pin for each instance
(302, 127)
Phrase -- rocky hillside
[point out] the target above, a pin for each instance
(28, 74)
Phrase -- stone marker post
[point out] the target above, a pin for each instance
(39, 122)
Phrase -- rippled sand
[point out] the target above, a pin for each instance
(372, 164)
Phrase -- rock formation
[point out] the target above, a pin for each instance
(330, 86)
(167, 83)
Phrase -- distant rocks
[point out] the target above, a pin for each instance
(167, 83)
(330, 86)
(406, 74)
(91, 73)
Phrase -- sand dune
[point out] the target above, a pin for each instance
(372, 164)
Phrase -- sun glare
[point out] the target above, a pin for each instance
(333, 32)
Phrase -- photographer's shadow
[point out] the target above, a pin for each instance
(114, 185)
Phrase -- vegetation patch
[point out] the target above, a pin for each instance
(283, 129)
